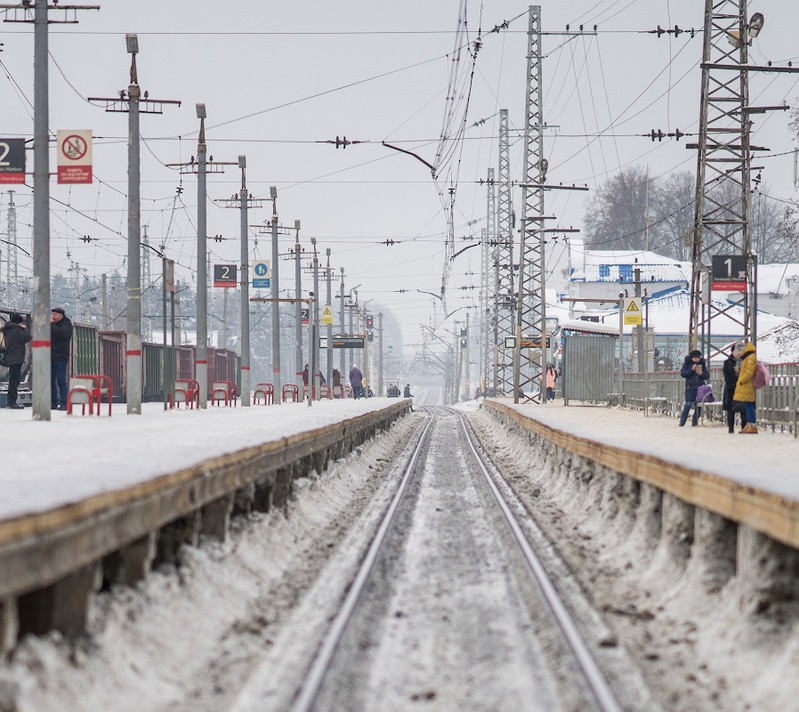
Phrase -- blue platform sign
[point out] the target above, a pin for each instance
(261, 275)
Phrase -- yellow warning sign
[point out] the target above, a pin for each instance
(632, 311)
(327, 315)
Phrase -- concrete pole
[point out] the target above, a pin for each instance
(352, 327)
(133, 381)
(342, 328)
(380, 385)
(329, 326)
(298, 305)
(245, 288)
(275, 294)
(40, 333)
(466, 382)
(104, 298)
(314, 345)
(201, 358)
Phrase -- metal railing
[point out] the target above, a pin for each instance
(663, 391)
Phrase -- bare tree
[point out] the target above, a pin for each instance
(617, 215)
(672, 214)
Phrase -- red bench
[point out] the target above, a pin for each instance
(88, 389)
(187, 390)
(223, 391)
(291, 389)
(267, 390)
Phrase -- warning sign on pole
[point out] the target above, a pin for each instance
(327, 314)
(632, 311)
(74, 156)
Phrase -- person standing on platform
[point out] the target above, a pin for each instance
(356, 380)
(745, 389)
(695, 373)
(15, 336)
(551, 377)
(60, 339)
(730, 370)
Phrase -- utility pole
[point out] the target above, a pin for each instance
(298, 296)
(202, 167)
(12, 268)
(243, 203)
(466, 382)
(531, 311)
(531, 301)
(275, 293)
(314, 345)
(133, 104)
(329, 326)
(505, 297)
(342, 327)
(722, 205)
(40, 331)
(380, 385)
(491, 286)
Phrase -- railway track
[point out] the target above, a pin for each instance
(451, 604)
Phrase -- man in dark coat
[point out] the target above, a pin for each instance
(15, 336)
(60, 339)
(695, 373)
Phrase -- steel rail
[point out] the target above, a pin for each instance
(599, 687)
(306, 695)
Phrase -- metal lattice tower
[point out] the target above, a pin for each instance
(531, 317)
(505, 302)
(146, 278)
(722, 176)
(490, 277)
(12, 272)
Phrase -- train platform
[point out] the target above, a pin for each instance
(71, 458)
(750, 479)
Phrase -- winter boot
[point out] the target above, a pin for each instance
(749, 429)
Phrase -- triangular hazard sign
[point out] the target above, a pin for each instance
(327, 311)
(633, 307)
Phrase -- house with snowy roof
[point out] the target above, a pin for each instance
(598, 274)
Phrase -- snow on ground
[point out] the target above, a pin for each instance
(70, 458)
(188, 637)
(703, 643)
(766, 461)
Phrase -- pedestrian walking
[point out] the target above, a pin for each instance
(730, 370)
(551, 377)
(60, 340)
(407, 392)
(15, 336)
(695, 373)
(745, 388)
(356, 380)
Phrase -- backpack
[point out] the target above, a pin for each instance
(761, 377)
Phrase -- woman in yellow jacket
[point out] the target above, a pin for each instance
(745, 389)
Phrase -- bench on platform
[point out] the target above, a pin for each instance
(89, 389)
(290, 389)
(223, 391)
(186, 390)
(265, 390)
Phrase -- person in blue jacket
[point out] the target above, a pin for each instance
(695, 373)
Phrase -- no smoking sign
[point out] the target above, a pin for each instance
(74, 156)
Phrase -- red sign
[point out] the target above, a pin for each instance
(74, 156)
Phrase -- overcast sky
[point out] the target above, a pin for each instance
(278, 78)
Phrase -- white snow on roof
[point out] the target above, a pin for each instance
(778, 278)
